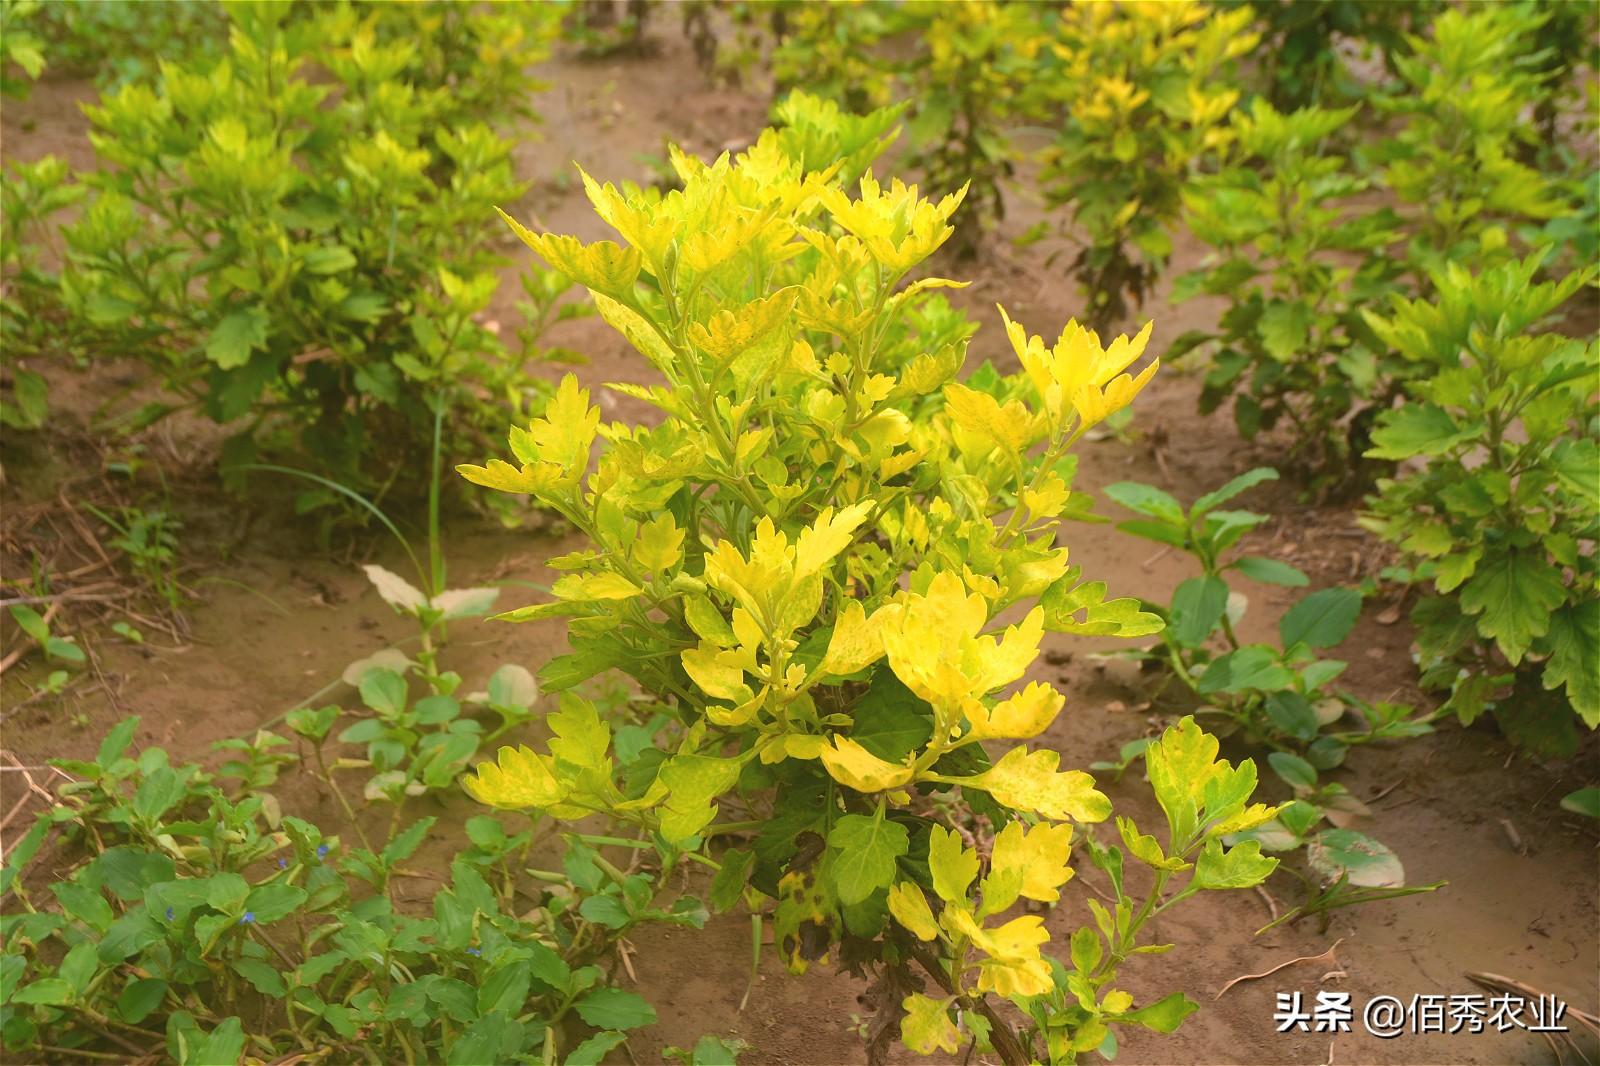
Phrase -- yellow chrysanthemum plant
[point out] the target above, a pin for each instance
(832, 563)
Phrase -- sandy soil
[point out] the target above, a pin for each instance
(291, 617)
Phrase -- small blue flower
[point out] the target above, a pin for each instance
(169, 914)
(474, 951)
(322, 851)
(248, 918)
(283, 863)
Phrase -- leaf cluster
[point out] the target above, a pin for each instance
(807, 558)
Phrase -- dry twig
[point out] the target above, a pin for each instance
(1328, 955)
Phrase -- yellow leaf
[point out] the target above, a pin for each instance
(729, 332)
(1079, 371)
(804, 746)
(953, 865)
(855, 643)
(910, 908)
(927, 1028)
(718, 673)
(567, 431)
(1014, 965)
(928, 371)
(531, 479)
(1010, 427)
(637, 329)
(934, 644)
(1020, 938)
(1025, 714)
(1048, 499)
(520, 780)
(1028, 781)
(1248, 818)
(1021, 977)
(1040, 853)
(1116, 1001)
(1094, 405)
(707, 622)
(827, 537)
(899, 463)
(602, 586)
(652, 236)
(603, 266)
(855, 767)
(659, 545)
(694, 781)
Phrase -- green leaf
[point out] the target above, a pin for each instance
(727, 887)
(605, 910)
(329, 259)
(1178, 764)
(1147, 500)
(129, 935)
(84, 904)
(1241, 866)
(48, 991)
(405, 845)
(1322, 619)
(548, 967)
(236, 336)
(1243, 483)
(78, 968)
(116, 742)
(1538, 720)
(269, 903)
(127, 871)
(157, 793)
(493, 1038)
(1293, 715)
(1417, 429)
(262, 977)
(1585, 801)
(506, 988)
(1334, 852)
(221, 1047)
(715, 1051)
(226, 892)
(1270, 571)
(30, 394)
(614, 1008)
(1164, 1015)
(512, 686)
(31, 622)
(1160, 532)
(65, 649)
(384, 691)
(22, 852)
(890, 720)
(593, 1050)
(1295, 771)
(1513, 595)
(139, 998)
(1283, 329)
(866, 850)
(1254, 666)
(458, 999)
(1197, 607)
(1574, 651)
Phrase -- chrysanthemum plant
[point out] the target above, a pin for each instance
(809, 558)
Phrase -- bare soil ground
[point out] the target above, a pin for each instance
(1521, 901)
